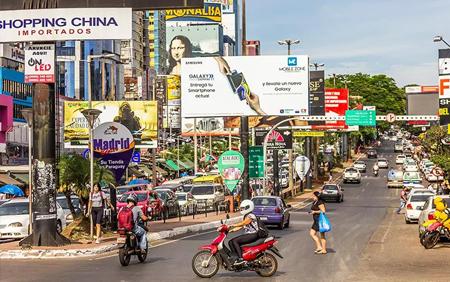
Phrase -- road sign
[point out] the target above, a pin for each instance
(256, 162)
(136, 158)
(308, 134)
(437, 171)
(390, 117)
(358, 117)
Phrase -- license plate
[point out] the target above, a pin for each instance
(263, 217)
(121, 240)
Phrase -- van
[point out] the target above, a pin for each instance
(208, 195)
(208, 179)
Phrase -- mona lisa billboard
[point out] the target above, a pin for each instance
(192, 41)
(139, 117)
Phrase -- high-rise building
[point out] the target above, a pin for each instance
(157, 41)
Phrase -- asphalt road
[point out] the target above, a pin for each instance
(353, 222)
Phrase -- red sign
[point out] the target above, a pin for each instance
(336, 103)
(418, 122)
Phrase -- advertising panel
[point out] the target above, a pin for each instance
(277, 140)
(422, 104)
(317, 93)
(336, 103)
(211, 12)
(302, 165)
(245, 86)
(65, 24)
(114, 145)
(262, 121)
(40, 63)
(444, 86)
(227, 5)
(205, 127)
(140, 117)
(444, 111)
(308, 134)
(172, 117)
(192, 41)
(231, 167)
(12, 52)
(173, 90)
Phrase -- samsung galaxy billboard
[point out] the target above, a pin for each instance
(65, 24)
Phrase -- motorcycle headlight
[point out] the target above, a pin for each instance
(15, 224)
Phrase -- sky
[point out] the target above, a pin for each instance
(392, 37)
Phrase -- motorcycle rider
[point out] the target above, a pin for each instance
(250, 225)
(138, 215)
(375, 169)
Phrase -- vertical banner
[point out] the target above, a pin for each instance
(302, 166)
(231, 167)
(444, 86)
(317, 94)
(40, 63)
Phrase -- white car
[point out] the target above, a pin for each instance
(187, 202)
(415, 204)
(433, 178)
(398, 147)
(428, 209)
(410, 167)
(400, 159)
(383, 163)
(14, 219)
(62, 201)
(352, 175)
(360, 165)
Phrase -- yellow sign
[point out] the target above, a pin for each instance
(308, 134)
(448, 128)
(140, 117)
(173, 88)
(211, 12)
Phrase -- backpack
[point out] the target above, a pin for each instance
(125, 219)
(263, 231)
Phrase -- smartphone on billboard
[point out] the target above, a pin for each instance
(239, 85)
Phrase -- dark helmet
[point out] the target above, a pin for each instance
(132, 198)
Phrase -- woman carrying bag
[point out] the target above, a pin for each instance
(320, 225)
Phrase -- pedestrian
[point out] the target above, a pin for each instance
(97, 200)
(330, 176)
(403, 199)
(317, 207)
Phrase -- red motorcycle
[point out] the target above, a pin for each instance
(207, 261)
(433, 234)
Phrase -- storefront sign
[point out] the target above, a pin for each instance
(40, 63)
(211, 12)
(308, 133)
(277, 140)
(231, 167)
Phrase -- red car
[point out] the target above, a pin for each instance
(148, 201)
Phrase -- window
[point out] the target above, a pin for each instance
(267, 202)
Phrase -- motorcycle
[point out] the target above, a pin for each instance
(128, 246)
(375, 172)
(207, 261)
(433, 234)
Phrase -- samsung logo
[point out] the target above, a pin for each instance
(193, 63)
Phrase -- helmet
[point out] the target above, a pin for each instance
(132, 198)
(247, 207)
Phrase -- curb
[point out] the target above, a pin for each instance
(79, 253)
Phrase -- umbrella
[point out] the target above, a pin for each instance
(138, 181)
(12, 189)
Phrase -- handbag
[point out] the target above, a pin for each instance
(324, 223)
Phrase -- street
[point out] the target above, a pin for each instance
(354, 222)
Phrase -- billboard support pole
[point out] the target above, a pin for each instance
(244, 151)
(229, 139)
(308, 146)
(154, 179)
(276, 182)
(195, 148)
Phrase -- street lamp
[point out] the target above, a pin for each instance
(439, 38)
(288, 42)
(91, 115)
(27, 114)
(317, 65)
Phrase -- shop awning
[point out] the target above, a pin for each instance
(22, 177)
(135, 171)
(5, 179)
(148, 170)
(183, 165)
(172, 165)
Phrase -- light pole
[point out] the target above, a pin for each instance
(317, 65)
(439, 38)
(27, 114)
(289, 42)
(91, 115)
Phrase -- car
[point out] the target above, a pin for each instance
(428, 209)
(187, 202)
(428, 167)
(360, 165)
(352, 175)
(148, 201)
(208, 196)
(272, 210)
(372, 154)
(15, 218)
(398, 147)
(410, 167)
(430, 177)
(120, 190)
(383, 163)
(170, 205)
(332, 192)
(400, 159)
(411, 177)
(175, 187)
(62, 201)
(395, 179)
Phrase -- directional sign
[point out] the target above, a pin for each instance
(390, 117)
(358, 117)
(255, 162)
(308, 134)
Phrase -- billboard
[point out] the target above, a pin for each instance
(40, 63)
(211, 12)
(173, 90)
(213, 126)
(192, 41)
(444, 86)
(262, 121)
(277, 140)
(227, 5)
(245, 86)
(422, 103)
(336, 104)
(172, 117)
(140, 117)
(317, 93)
(65, 24)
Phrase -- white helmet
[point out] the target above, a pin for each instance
(247, 207)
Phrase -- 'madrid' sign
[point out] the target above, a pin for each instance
(65, 24)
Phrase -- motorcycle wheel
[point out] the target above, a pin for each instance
(200, 266)
(143, 257)
(430, 239)
(124, 257)
(269, 265)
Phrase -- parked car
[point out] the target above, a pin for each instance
(430, 177)
(62, 201)
(398, 147)
(170, 206)
(14, 219)
(428, 209)
(371, 154)
(120, 190)
(332, 192)
(400, 159)
(410, 166)
(272, 211)
(175, 187)
(187, 202)
(360, 165)
(208, 196)
(383, 163)
(352, 175)
(411, 177)
(395, 180)
(148, 201)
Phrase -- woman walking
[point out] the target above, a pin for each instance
(96, 207)
(317, 207)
